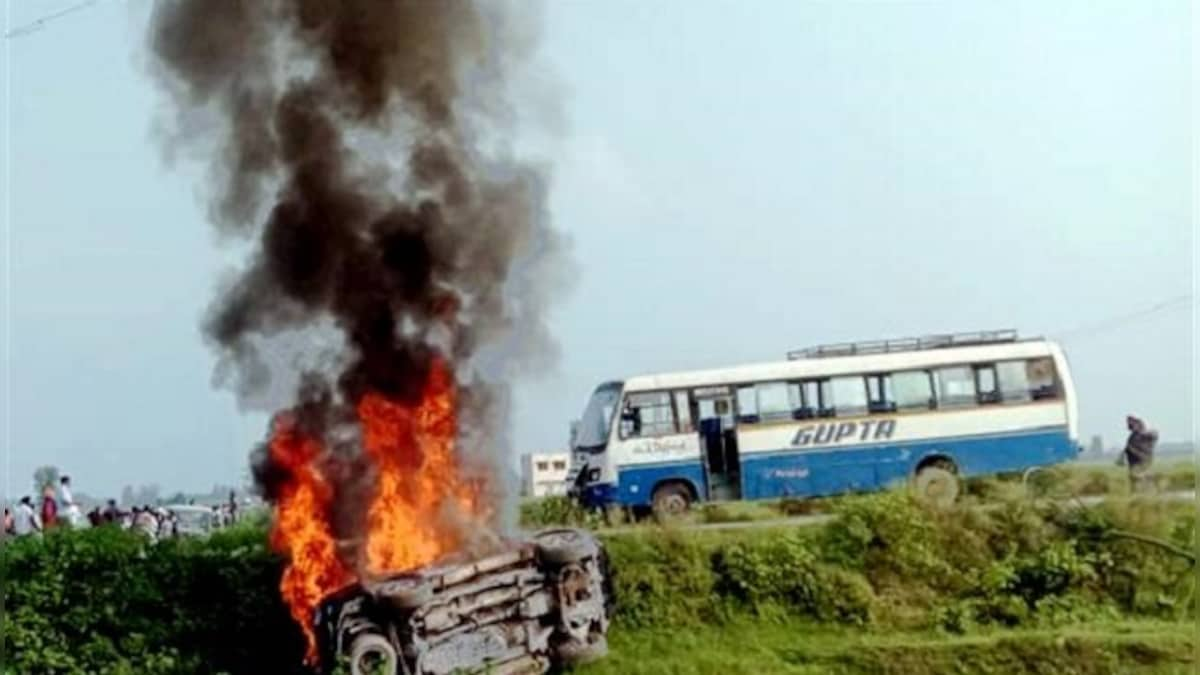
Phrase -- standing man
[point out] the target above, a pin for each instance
(49, 508)
(111, 513)
(146, 522)
(71, 513)
(26, 519)
(1139, 453)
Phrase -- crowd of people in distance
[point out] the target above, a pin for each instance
(60, 510)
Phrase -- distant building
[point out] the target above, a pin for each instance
(1097, 447)
(544, 473)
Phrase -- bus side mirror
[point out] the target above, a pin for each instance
(574, 433)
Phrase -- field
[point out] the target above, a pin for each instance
(1001, 583)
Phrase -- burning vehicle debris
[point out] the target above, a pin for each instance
(536, 603)
(399, 261)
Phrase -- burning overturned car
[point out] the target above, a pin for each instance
(540, 602)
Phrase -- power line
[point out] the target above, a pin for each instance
(1177, 302)
(38, 24)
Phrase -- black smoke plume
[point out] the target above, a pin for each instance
(359, 145)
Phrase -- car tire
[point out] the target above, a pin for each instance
(671, 501)
(564, 546)
(937, 485)
(575, 653)
(372, 654)
(407, 591)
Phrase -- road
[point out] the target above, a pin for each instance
(819, 518)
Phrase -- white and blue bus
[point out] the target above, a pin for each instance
(829, 420)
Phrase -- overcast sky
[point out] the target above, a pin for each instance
(739, 179)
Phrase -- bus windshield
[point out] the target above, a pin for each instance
(597, 417)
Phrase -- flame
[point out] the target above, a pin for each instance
(302, 530)
(422, 509)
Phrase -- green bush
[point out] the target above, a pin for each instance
(107, 601)
(1046, 586)
(557, 511)
(886, 536)
(785, 572)
(662, 578)
(1141, 577)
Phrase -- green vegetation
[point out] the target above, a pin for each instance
(887, 561)
(105, 601)
(886, 585)
(891, 586)
(1060, 482)
(750, 648)
(1101, 479)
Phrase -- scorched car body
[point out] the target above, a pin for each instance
(536, 603)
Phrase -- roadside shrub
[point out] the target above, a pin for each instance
(1147, 543)
(1056, 564)
(662, 578)
(106, 601)
(769, 573)
(557, 511)
(886, 536)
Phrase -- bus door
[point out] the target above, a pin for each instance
(716, 424)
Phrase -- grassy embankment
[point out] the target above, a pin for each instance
(1137, 647)
(889, 586)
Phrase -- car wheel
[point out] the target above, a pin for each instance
(575, 652)
(560, 547)
(671, 500)
(409, 591)
(372, 654)
(937, 485)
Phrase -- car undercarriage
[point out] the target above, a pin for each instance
(540, 602)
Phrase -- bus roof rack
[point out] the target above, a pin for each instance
(940, 341)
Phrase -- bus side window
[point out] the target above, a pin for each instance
(1043, 381)
(774, 401)
(1014, 381)
(747, 405)
(879, 394)
(683, 411)
(913, 390)
(849, 395)
(986, 388)
(647, 414)
(955, 387)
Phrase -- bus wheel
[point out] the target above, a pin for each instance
(937, 484)
(671, 500)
